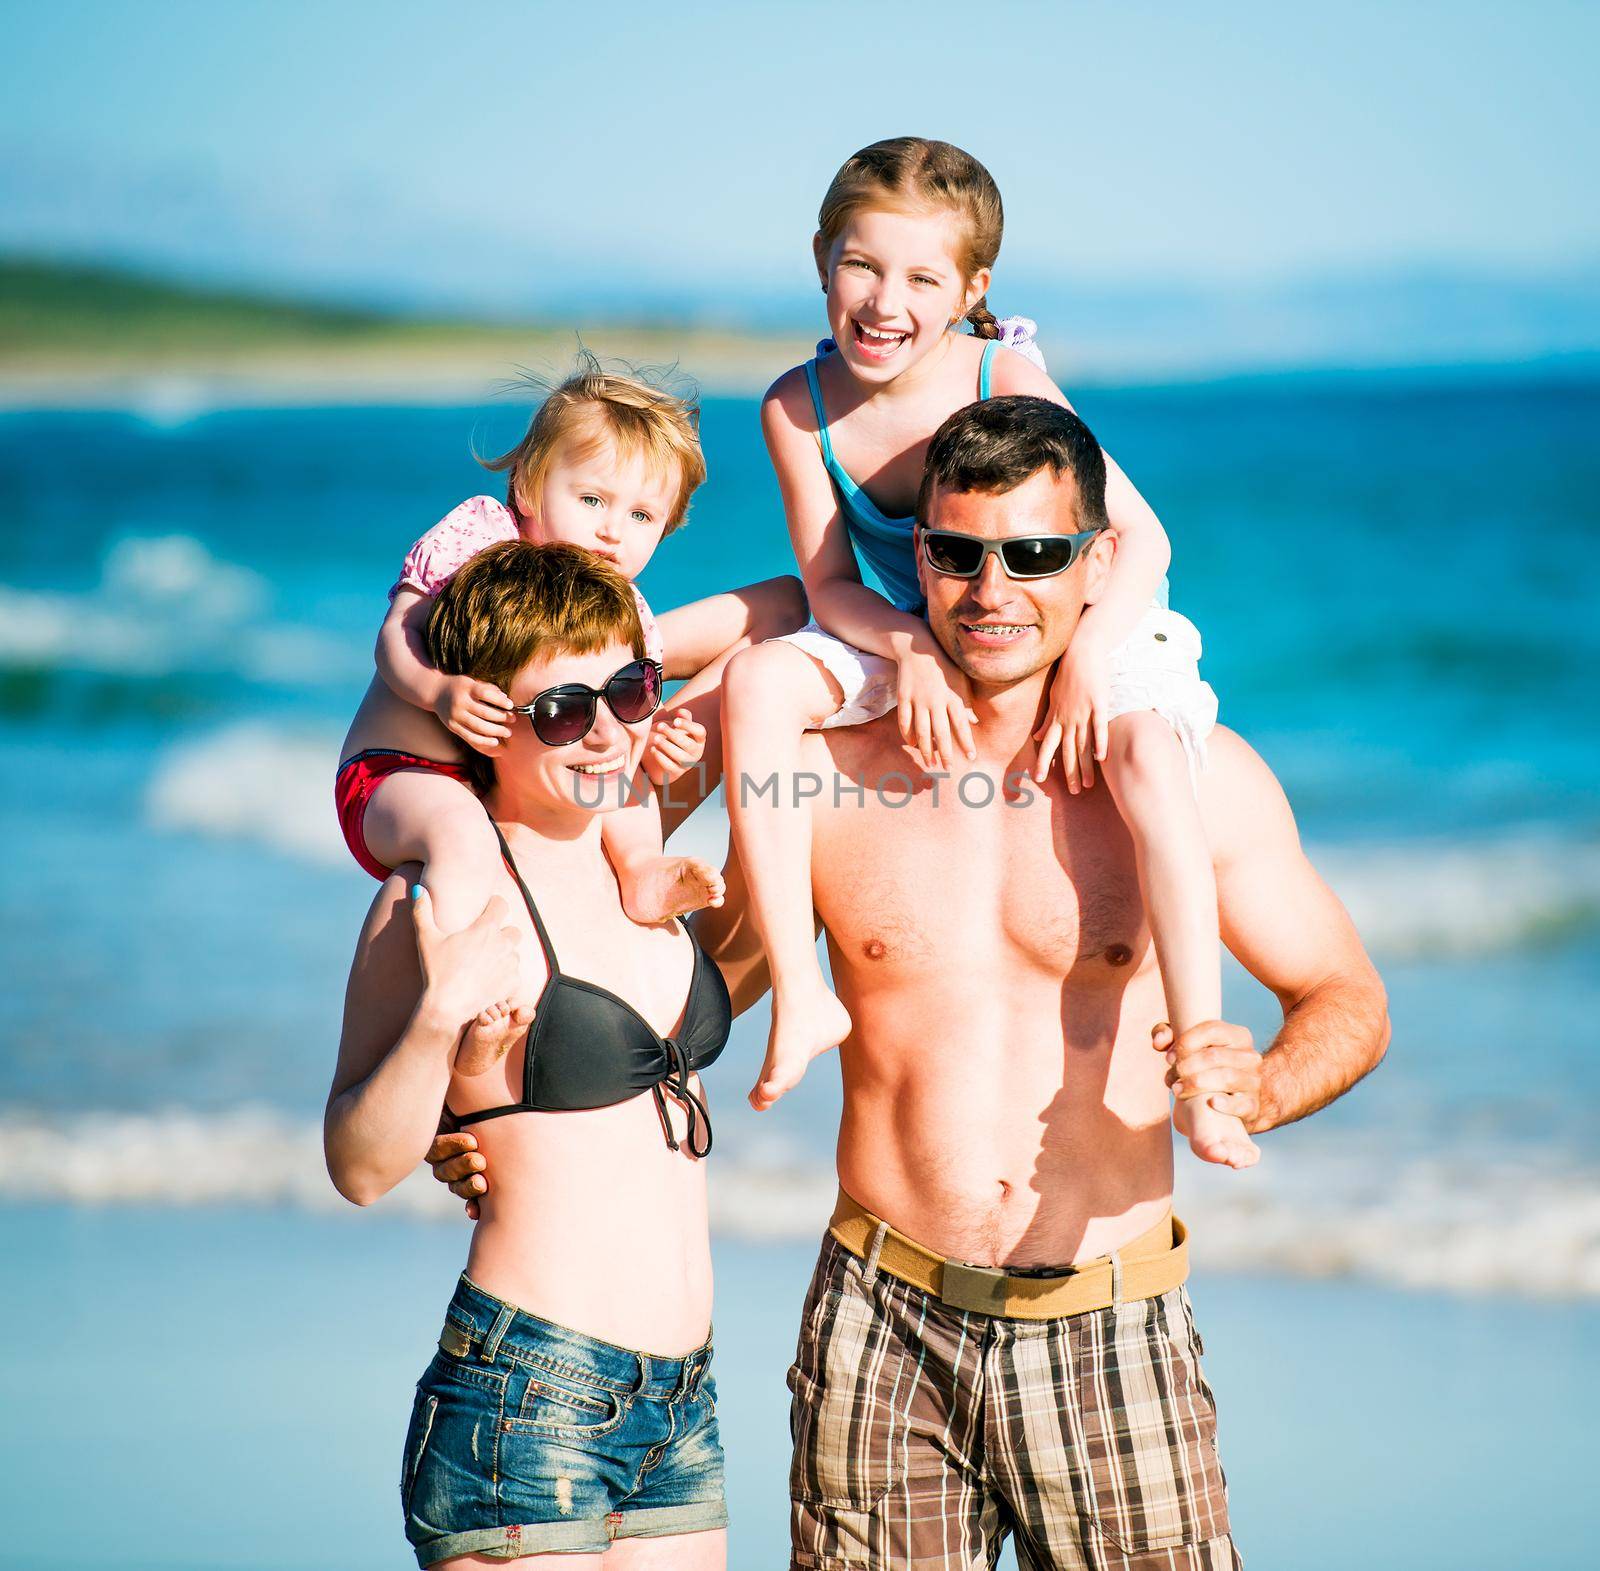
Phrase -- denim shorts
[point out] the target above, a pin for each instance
(528, 1438)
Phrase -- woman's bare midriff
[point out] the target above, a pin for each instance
(592, 1221)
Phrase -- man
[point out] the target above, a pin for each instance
(997, 1339)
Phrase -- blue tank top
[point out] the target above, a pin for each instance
(882, 544)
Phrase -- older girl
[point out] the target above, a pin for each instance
(906, 242)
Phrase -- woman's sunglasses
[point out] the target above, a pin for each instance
(566, 714)
(1023, 556)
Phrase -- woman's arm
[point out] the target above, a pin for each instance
(1143, 551)
(412, 992)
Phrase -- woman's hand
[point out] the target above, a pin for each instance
(935, 712)
(677, 743)
(469, 971)
(1080, 697)
(477, 712)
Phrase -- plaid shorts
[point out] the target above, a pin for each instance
(925, 1435)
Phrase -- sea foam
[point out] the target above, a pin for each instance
(1410, 899)
(252, 782)
(165, 605)
(1353, 1207)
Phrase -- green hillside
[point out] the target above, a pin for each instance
(79, 325)
(55, 306)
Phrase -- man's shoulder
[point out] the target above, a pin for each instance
(1240, 797)
(873, 746)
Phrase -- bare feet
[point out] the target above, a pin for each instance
(801, 1029)
(492, 1034)
(1213, 1136)
(662, 887)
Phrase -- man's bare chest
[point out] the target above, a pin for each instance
(928, 883)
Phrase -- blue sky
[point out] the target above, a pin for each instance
(507, 153)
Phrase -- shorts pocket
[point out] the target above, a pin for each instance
(849, 1392)
(556, 1402)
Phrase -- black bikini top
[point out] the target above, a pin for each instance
(589, 1048)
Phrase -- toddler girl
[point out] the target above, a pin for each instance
(907, 236)
(608, 463)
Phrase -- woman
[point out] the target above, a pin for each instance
(569, 1412)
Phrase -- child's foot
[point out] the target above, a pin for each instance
(663, 887)
(1213, 1136)
(492, 1034)
(801, 1029)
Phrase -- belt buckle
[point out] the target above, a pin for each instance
(979, 1289)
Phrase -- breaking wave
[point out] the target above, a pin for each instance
(164, 607)
(1479, 1222)
(1411, 899)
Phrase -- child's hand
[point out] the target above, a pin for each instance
(478, 712)
(936, 717)
(677, 743)
(1080, 695)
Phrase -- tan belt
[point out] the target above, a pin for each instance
(1145, 1267)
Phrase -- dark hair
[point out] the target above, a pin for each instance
(515, 601)
(995, 445)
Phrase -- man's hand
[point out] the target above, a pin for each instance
(477, 712)
(1080, 698)
(456, 1161)
(1217, 1061)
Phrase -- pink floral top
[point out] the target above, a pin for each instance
(461, 534)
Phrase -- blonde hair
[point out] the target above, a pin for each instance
(593, 406)
(917, 172)
(515, 601)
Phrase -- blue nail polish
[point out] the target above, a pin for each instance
(416, 891)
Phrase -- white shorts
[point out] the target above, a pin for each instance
(1157, 667)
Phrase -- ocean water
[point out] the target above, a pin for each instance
(1396, 585)
(1395, 579)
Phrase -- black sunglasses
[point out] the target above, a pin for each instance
(566, 714)
(1022, 556)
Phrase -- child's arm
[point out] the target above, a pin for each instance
(694, 635)
(475, 711)
(1143, 551)
(840, 602)
(933, 692)
(1080, 690)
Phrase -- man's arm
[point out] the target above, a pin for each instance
(1288, 929)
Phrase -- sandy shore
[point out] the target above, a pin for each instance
(232, 1388)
